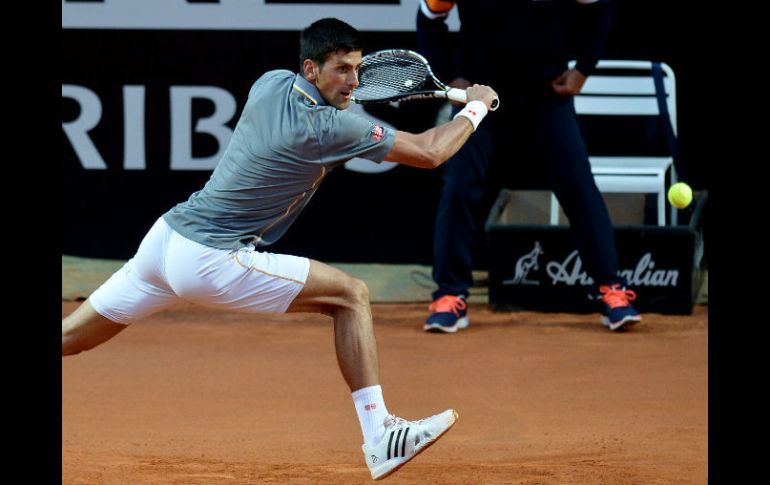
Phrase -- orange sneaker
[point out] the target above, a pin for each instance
(618, 312)
(449, 314)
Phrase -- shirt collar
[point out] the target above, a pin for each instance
(307, 89)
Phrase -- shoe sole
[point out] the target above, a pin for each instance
(627, 321)
(427, 445)
(438, 328)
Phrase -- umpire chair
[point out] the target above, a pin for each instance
(626, 88)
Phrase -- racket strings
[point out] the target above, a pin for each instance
(384, 77)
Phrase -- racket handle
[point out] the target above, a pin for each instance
(460, 96)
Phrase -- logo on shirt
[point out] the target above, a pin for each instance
(377, 133)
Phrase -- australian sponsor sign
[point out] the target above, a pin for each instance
(570, 272)
(537, 267)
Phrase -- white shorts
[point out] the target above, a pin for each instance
(168, 267)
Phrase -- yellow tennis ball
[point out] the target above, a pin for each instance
(680, 195)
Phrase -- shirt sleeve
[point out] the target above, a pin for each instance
(433, 39)
(348, 135)
(593, 21)
(434, 9)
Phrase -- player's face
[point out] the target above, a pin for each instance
(337, 77)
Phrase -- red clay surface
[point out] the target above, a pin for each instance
(193, 396)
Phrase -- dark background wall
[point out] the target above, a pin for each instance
(354, 217)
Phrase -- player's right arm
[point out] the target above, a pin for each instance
(433, 147)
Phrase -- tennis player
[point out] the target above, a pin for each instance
(210, 249)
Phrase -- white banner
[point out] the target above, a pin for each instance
(237, 15)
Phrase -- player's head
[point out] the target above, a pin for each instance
(327, 36)
(329, 56)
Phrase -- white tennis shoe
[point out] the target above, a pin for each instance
(404, 440)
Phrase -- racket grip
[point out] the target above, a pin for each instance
(460, 96)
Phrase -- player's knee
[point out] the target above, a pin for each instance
(74, 340)
(359, 292)
(71, 345)
(79, 334)
(356, 293)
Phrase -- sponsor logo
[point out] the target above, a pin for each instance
(370, 407)
(363, 165)
(377, 133)
(524, 265)
(570, 271)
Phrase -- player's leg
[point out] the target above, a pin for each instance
(84, 329)
(389, 442)
(332, 292)
(254, 281)
(346, 299)
(136, 290)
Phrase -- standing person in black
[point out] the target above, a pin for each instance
(521, 47)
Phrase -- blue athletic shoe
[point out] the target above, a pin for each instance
(449, 314)
(618, 312)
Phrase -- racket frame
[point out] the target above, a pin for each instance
(443, 91)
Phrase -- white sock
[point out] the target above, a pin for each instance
(371, 413)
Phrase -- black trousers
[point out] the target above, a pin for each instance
(534, 144)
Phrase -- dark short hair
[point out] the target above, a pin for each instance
(327, 36)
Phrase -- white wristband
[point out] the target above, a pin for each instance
(475, 111)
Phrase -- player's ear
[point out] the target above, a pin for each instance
(310, 70)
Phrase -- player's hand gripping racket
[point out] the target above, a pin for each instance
(400, 75)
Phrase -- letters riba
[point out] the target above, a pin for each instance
(183, 127)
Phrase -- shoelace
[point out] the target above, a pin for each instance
(616, 296)
(393, 420)
(448, 303)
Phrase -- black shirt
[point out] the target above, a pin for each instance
(515, 45)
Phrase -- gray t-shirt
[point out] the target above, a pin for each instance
(286, 141)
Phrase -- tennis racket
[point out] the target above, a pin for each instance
(400, 75)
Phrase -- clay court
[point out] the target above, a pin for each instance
(193, 396)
